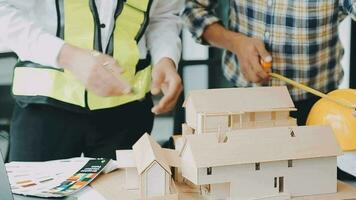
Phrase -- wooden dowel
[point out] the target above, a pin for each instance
(313, 91)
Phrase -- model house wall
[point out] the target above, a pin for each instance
(155, 181)
(274, 178)
(189, 168)
(216, 191)
(190, 113)
(266, 162)
(131, 178)
(127, 162)
(238, 108)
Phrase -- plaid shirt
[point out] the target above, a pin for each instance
(302, 37)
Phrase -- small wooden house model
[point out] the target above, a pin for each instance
(237, 108)
(263, 163)
(148, 167)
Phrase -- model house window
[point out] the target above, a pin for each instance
(274, 115)
(257, 166)
(281, 115)
(209, 170)
(290, 163)
(275, 182)
(292, 134)
(237, 121)
(205, 189)
(252, 117)
(225, 139)
(222, 137)
(263, 116)
(229, 124)
(281, 184)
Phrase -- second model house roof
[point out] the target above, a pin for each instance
(240, 100)
(262, 145)
(146, 151)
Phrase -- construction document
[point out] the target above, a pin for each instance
(56, 178)
(347, 162)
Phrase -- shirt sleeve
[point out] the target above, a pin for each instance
(23, 36)
(349, 8)
(163, 31)
(197, 15)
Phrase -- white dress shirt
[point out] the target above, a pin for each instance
(28, 28)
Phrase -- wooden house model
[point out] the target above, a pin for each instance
(266, 163)
(148, 168)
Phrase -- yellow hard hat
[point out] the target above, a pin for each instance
(340, 118)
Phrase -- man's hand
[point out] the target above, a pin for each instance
(250, 51)
(99, 73)
(166, 79)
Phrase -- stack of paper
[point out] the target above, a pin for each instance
(53, 178)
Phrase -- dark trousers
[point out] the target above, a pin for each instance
(42, 132)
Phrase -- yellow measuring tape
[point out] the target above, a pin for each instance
(267, 66)
(313, 91)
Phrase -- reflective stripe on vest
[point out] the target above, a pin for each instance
(79, 30)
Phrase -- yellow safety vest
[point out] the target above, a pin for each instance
(79, 19)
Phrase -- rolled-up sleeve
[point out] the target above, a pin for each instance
(349, 8)
(197, 15)
(28, 40)
(163, 32)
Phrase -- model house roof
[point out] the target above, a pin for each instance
(241, 100)
(262, 145)
(146, 151)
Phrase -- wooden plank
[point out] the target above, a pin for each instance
(240, 99)
(263, 145)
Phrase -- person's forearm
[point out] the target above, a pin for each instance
(162, 34)
(66, 56)
(218, 36)
(24, 36)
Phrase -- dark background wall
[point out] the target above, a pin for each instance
(7, 61)
(353, 56)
